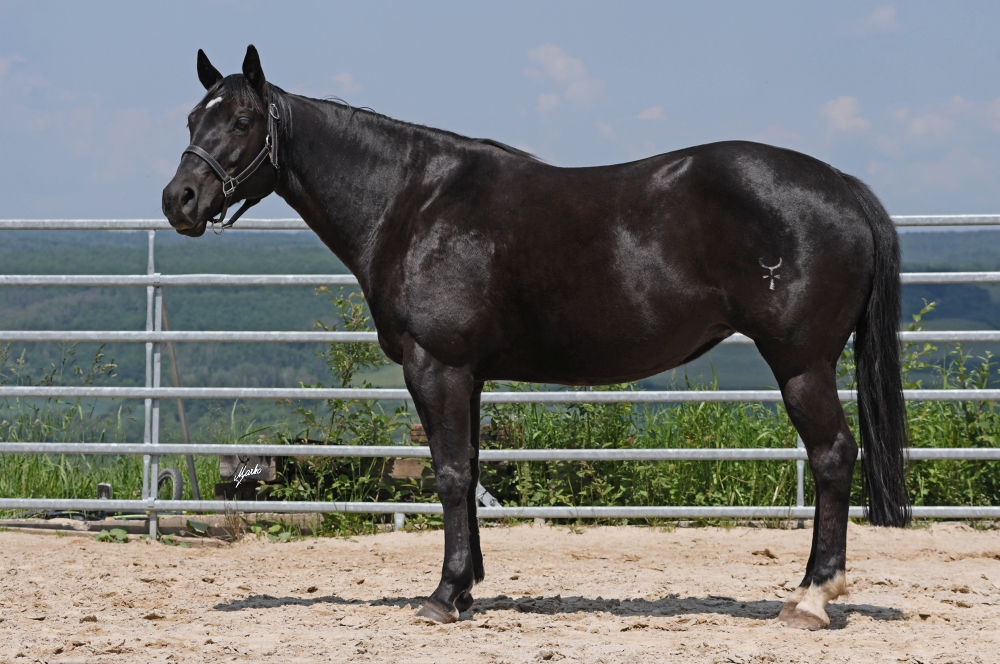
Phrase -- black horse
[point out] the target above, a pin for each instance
(480, 262)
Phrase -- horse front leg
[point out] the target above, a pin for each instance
(442, 395)
(464, 601)
(815, 410)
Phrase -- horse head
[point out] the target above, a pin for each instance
(233, 132)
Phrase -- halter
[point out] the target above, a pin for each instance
(229, 184)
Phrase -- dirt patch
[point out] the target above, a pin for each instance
(600, 595)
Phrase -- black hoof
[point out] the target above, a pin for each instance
(464, 602)
(433, 611)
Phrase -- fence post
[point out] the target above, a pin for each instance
(149, 493)
(800, 470)
(182, 418)
(154, 471)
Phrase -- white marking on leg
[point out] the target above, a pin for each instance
(213, 102)
(814, 602)
(771, 275)
(793, 600)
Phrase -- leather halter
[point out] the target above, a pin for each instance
(230, 184)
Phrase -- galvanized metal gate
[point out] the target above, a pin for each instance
(154, 337)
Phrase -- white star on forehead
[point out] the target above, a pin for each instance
(213, 102)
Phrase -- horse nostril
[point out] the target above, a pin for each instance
(187, 196)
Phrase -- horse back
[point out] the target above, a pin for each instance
(590, 275)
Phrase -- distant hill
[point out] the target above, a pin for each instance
(195, 308)
(188, 308)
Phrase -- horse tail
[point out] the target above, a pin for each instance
(881, 408)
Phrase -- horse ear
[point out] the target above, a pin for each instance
(207, 74)
(253, 71)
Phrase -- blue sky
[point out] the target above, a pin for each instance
(93, 97)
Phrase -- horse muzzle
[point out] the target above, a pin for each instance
(180, 207)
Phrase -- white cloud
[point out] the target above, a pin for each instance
(346, 83)
(607, 131)
(958, 104)
(887, 145)
(5, 64)
(579, 87)
(844, 114)
(875, 167)
(651, 113)
(955, 170)
(924, 125)
(547, 104)
(883, 19)
(993, 114)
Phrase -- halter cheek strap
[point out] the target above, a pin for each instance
(230, 184)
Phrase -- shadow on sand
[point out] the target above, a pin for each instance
(670, 606)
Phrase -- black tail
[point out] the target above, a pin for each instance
(881, 408)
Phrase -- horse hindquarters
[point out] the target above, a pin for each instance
(807, 376)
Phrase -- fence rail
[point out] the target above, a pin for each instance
(424, 452)
(154, 336)
(583, 512)
(157, 280)
(110, 336)
(389, 394)
(296, 224)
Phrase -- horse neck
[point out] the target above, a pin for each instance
(342, 171)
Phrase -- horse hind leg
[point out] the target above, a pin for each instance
(814, 408)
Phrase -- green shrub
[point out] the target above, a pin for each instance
(529, 426)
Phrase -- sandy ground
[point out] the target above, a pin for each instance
(595, 595)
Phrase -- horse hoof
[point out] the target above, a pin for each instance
(787, 610)
(433, 611)
(464, 602)
(798, 619)
(793, 601)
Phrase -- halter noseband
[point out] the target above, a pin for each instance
(229, 184)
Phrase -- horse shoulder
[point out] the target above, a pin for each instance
(434, 276)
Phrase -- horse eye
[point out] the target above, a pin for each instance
(243, 124)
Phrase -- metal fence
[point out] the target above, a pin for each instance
(154, 336)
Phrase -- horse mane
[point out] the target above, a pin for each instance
(338, 101)
(507, 148)
(236, 86)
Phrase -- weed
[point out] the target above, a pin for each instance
(171, 540)
(116, 535)
(235, 523)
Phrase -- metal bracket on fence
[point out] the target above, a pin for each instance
(484, 497)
